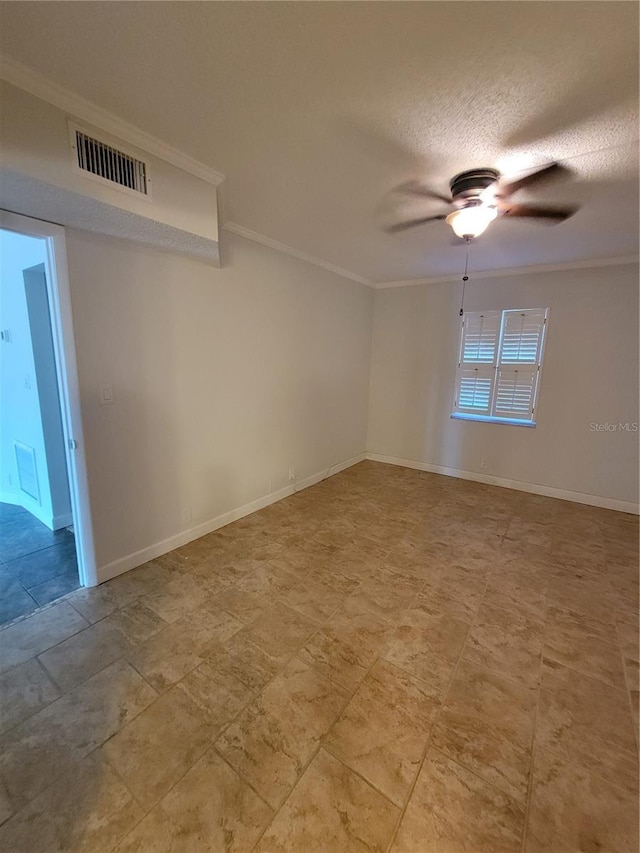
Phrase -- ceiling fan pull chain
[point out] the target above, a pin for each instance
(465, 277)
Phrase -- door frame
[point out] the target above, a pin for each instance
(59, 293)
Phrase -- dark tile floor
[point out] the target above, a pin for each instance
(37, 565)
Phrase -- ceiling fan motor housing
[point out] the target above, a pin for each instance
(469, 185)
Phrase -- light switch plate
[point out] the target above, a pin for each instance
(106, 394)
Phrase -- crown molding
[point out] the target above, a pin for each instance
(34, 83)
(505, 273)
(241, 231)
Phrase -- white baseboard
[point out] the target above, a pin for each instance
(33, 508)
(12, 498)
(55, 523)
(60, 521)
(329, 472)
(138, 558)
(534, 488)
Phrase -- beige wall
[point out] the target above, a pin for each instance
(223, 379)
(590, 375)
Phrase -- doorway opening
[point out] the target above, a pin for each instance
(46, 548)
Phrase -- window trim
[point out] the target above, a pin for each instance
(491, 419)
(495, 367)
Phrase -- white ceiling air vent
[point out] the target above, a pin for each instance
(97, 159)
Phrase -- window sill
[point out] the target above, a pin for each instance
(491, 419)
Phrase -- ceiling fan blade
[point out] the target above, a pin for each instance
(552, 171)
(414, 188)
(555, 214)
(410, 223)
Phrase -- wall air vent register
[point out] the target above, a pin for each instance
(109, 164)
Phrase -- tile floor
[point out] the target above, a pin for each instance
(390, 660)
(37, 565)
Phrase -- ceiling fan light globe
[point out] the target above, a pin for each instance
(471, 221)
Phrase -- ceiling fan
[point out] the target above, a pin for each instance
(479, 196)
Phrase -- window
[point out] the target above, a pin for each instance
(499, 365)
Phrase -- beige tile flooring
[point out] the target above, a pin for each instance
(390, 660)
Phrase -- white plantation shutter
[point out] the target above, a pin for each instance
(480, 332)
(475, 388)
(499, 364)
(515, 392)
(522, 336)
(519, 359)
(476, 364)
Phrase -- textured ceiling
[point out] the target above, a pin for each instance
(315, 111)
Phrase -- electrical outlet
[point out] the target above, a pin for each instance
(483, 463)
(292, 475)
